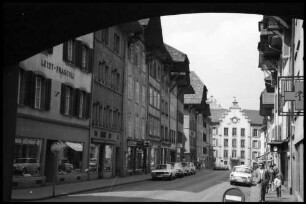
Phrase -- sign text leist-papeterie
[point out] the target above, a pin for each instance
(58, 69)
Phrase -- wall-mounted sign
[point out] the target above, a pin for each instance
(132, 143)
(291, 91)
(57, 69)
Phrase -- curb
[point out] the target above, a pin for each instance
(75, 192)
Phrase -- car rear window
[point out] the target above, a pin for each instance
(161, 167)
(242, 170)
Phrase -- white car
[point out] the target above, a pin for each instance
(163, 171)
(241, 174)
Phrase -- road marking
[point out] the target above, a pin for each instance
(230, 197)
(203, 199)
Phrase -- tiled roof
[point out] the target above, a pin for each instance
(216, 114)
(254, 116)
(176, 55)
(197, 86)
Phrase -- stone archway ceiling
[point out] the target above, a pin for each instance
(30, 28)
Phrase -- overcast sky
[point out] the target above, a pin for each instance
(222, 50)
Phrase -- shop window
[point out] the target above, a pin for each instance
(70, 158)
(108, 158)
(93, 158)
(27, 155)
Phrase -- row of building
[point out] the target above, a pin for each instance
(118, 101)
(281, 58)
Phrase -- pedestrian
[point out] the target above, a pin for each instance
(275, 172)
(272, 176)
(262, 178)
(278, 186)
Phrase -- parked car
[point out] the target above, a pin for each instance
(65, 165)
(178, 168)
(26, 166)
(241, 174)
(187, 169)
(163, 171)
(193, 168)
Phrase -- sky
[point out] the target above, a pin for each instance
(222, 50)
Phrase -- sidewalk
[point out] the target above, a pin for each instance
(45, 192)
(271, 195)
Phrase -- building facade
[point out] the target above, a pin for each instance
(236, 134)
(282, 60)
(54, 92)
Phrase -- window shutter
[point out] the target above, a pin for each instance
(63, 98)
(77, 53)
(48, 94)
(259, 144)
(65, 51)
(90, 60)
(31, 89)
(72, 101)
(87, 105)
(77, 102)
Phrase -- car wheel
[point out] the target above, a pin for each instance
(231, 183)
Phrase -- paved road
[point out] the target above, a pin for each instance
(202, 187)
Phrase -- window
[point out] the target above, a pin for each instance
(255, 132)
(214, 129)
(225, 131)
(215, 142)
(130, 87)
(204, 124)
(234, 153)
(242, 132)
(71, 160)
(225, 153)
(242, 143)
(104, 36)
(74, 102)
(137, 92)
(204, 137)
(84, 57)
(234, 142)
(242, 155)
(254, 155)
(225, 162)
(143, 95)
(255, 144)
(130, 52)
(225, 142)
(204, 150)
(70, 50)
(116, 43)
(151, 95)
(34, 90)
(37, 92)
(216, 153)
(234, 133)
(27, 150)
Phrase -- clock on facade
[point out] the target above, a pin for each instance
(234, 119)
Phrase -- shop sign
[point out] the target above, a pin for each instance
(291, 89)
(27, 141)
(140, 143)
(132, 143)
(57, 69)
(147, 143)
(172, 146)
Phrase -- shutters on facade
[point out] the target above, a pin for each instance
(31, 89)
(48, 94)
(78, 53)
(65, 51)
(87, 99)
(90, 60)
(43, 93)
(72, 101)
(63, 95)
(77, 102)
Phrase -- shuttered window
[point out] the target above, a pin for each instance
(75, 102)
(34, 90)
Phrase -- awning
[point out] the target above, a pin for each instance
(75, 146)
(265, 154)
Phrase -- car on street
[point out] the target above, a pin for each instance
(178, 168)
(26, 166)
(193, 168)
(241, 174)
(65, 165)
(163, 171)
(187, 169)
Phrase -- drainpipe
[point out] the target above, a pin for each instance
(292, 85)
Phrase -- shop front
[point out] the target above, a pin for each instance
(135, 157)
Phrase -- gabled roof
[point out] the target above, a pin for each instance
(216, 114)
(254, 116)
(176, 55)
(198, 87)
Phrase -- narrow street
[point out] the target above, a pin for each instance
(202, 187)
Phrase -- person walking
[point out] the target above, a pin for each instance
(275, 172)
(278, 186)
(270, 187)
(262, 178)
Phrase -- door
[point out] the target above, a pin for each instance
(50, 165)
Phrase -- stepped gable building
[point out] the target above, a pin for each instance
(236, 136)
